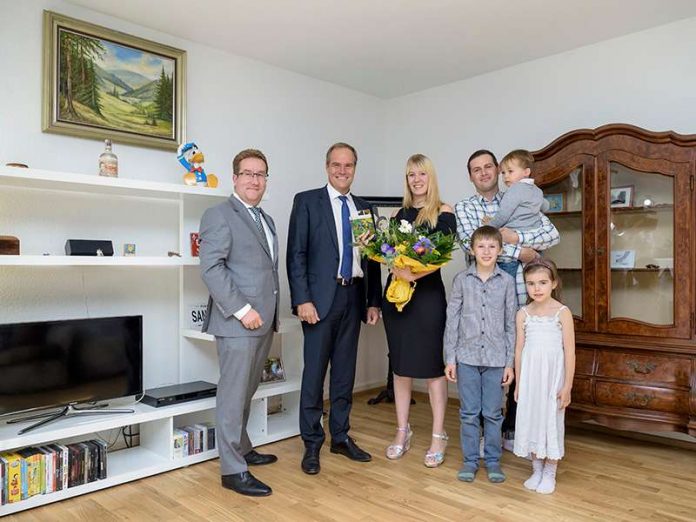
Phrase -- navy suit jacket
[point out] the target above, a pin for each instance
(312, 255)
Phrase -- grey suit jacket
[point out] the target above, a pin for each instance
(237, 268)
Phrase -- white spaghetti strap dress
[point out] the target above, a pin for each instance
(539, 426)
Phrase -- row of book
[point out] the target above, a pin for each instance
(54, 467)
(197, 438)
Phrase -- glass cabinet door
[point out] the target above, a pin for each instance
(569, 191)
(646, 252)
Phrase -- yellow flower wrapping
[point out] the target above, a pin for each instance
(400, 291)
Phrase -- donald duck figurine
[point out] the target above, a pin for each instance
(192, 160)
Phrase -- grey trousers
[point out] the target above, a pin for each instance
(241, 362)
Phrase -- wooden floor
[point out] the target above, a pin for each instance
(604, 477)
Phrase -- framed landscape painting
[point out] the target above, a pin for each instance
(100, 83)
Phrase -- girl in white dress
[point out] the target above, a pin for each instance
(544, 366)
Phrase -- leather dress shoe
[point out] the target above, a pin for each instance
(253, 458)
(310, 461)
(245, 483)
(351, 450)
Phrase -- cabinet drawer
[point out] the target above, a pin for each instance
(582, 390)
(642, 397)
(648, 368)
(584, 360)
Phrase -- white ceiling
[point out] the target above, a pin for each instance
(393, 47)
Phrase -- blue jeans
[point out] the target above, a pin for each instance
(480, 393)
(510, 267)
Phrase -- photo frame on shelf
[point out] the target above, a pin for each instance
(273, 370)
(99, 83)
(557, 202)
(623, 258)
(129, 249)
(621, 197)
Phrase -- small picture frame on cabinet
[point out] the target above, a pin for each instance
(557, 202)
(623, 258)
(621, 197)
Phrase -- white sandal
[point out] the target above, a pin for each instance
(434, 458)
(396, 451)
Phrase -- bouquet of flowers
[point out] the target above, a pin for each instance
(401, 245)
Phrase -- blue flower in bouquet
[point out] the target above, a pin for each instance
(423, 246)
(387, 249)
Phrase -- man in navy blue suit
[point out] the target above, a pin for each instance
(331, 290)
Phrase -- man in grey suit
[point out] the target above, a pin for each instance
(239, 265)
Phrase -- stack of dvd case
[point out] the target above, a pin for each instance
(45, 469)
(190, 440)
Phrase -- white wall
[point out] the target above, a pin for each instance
(645, 79)
(232, 103)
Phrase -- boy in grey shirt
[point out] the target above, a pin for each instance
(522, 203)
(479, 350)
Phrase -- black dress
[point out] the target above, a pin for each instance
(414, 335)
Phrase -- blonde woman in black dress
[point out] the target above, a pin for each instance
(414, 335)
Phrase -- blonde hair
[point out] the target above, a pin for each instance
(431, 210)
(522, 157)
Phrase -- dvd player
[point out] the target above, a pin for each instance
(177, 393)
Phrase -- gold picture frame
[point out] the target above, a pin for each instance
(99, 83)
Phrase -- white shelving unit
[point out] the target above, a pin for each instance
(51, 260)
(154, 455)
(160, 216)
(201, 359)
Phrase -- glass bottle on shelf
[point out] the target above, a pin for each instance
(108, 162)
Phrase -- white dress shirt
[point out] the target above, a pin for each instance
(269, 239)
(337, 205)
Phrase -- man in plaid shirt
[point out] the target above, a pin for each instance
(522, 246)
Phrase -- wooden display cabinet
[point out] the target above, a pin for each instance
(624, 201)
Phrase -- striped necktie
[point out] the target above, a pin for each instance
(256, 211)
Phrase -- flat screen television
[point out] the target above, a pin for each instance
(57, 363)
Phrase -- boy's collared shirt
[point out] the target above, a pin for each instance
(470, 213)
(480, 328)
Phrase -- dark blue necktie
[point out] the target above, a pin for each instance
(347, 260)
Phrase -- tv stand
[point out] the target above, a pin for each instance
(158, 217)
(71, 410)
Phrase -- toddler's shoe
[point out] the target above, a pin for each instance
(467, 473)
